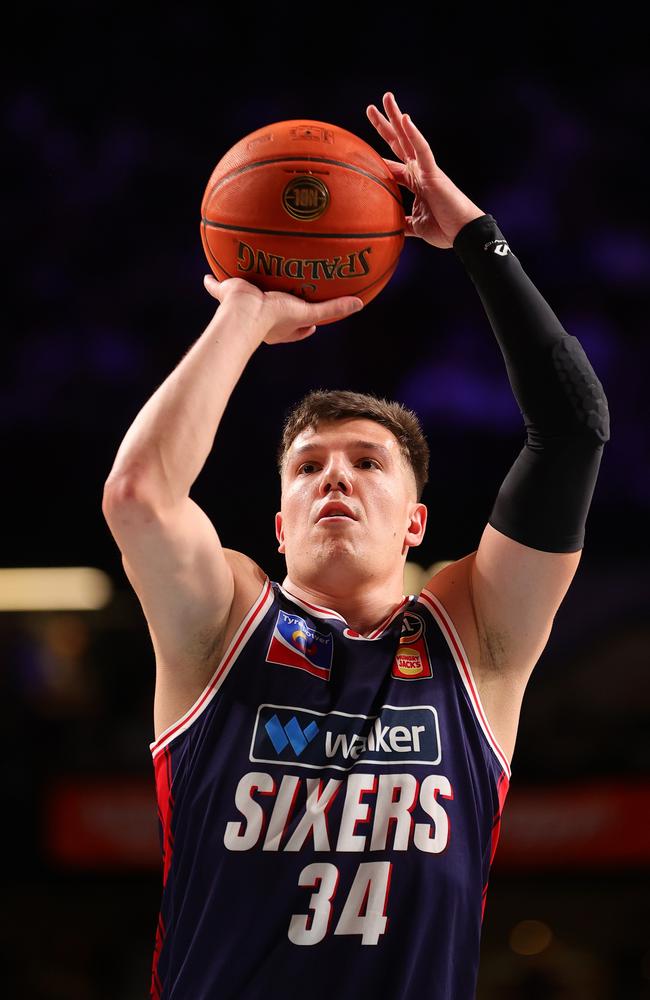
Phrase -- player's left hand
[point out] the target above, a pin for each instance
(440, 209)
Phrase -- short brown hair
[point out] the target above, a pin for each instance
(322, 405)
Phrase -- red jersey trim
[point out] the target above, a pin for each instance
(502, 791)
(462, 663)
(239, 640)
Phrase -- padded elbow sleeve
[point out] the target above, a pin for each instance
(545, 498)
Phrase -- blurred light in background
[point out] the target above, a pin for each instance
(530, 937)
(70, 588)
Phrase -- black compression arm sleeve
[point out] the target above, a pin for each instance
(545, 498)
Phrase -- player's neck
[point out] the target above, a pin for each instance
(364, 613)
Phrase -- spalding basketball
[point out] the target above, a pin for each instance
(304, 207)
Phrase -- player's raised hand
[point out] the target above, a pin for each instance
(277, 317)
(440, 209)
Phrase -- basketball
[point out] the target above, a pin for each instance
(304, 207)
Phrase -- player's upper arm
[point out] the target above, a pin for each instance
(184, 578)
(517, 591)
(502, 600)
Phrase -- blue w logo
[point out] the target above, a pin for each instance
(292, 733)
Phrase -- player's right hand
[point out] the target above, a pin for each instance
(277, 317)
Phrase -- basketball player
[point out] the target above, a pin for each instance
(332, 756)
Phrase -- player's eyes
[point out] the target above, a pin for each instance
(307, 465)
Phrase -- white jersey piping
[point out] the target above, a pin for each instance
(251, 620)
(434, 605)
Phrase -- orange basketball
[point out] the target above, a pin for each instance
(304, 207)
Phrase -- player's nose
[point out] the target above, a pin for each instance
(334, 476)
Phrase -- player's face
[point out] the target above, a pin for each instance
(356, 462)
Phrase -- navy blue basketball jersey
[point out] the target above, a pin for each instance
(329, 811)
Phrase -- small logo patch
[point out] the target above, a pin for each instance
(499, 247)
(412, 662)
(295, 643)
(312, 132)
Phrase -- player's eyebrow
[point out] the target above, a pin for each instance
(352, 446)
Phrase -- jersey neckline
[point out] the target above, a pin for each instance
(322, 611)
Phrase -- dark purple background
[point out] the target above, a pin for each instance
(113, 120)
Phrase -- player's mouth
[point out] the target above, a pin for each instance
(335, 511)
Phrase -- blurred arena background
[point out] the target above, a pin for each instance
(113, 119)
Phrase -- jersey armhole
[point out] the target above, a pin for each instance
(457, 650)
(250, 622)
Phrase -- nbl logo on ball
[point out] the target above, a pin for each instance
(305, 198)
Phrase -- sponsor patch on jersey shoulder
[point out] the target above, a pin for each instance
(412, 661)
(296, 643)
(287, 734)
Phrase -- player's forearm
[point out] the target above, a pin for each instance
(169, 441)
(544, 500)
(539, 354)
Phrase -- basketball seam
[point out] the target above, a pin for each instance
(297, 232)
(309, 159)
(209, 249)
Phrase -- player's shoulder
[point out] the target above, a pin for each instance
(451, 588)
(243, 564)
(248, 575)
(452, 585)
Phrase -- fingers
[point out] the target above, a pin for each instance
(395, 117)
(400, 173)
(399, 131)
(212, 286)
(287, 307)
(420, 146)
(386, 130)
(332, 309)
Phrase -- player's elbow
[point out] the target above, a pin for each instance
(597, 412)
(605, 432)
(582, 389)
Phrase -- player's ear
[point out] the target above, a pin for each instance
(417, 525)
(279, 533)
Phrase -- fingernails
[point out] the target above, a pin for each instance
(358, 304)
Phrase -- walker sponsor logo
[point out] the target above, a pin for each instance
(294, 643)
(303, 738)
